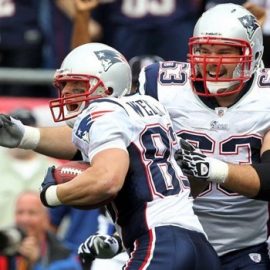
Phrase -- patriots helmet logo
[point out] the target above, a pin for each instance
(250, 23)
(108, 58)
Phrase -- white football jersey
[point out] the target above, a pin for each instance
(155, 188)
(232, 134)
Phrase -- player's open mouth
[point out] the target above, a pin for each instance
(72, 107)
(213, 74)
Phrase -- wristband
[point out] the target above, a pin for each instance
(219, 170)
(51, 196)
(30, 138)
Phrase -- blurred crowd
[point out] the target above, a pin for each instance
(38, 34)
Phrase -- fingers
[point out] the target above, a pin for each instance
(188, 172)
(91, 248)
(86, 5)
(192, 163)
(49, 177)
(178, 155)
(85, 254)
(51, 170)
(89, 245)
(190, 156)
(185, 165)
(186, 145)
(98, 244)
(103, 242)
(5, 120)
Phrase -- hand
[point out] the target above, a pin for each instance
(258, 11)
(185, 145)
(193, 164)
(11, 131)
(30, 249)
(86, 5)
(99, 246)
(48, 181)
(198, 165)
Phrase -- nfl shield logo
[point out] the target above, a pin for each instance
(255, 257)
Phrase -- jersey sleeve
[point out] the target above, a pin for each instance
(109, 127)
(148, 80)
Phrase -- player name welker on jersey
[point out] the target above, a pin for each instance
(143, 108)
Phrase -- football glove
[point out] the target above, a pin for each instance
(197, 165)
(186, 145)
(11, 131)
(48, 181)
(99, 246)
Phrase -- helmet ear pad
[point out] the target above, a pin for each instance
(110, 91)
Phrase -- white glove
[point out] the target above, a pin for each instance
(99, 246)
(14, 134)
(198, 165)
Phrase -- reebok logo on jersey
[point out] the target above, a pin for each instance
(215, 125)
(255, 257)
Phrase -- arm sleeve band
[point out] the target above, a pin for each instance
(263, 171)
(30, 138)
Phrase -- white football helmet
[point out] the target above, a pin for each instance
(106, 71)
(230, 25)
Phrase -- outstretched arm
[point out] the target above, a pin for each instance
(56, 142)
(51, 141)
(252, 180)
(248, 180)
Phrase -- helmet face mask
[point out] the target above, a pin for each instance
(222, 65)
(98, 70)
(68, 106)
(224, 71)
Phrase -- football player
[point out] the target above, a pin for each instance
(219, 102)
(130, 145)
